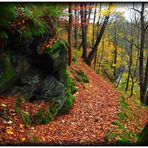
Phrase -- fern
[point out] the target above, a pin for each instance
(123, 140)
(120, 126)
(121, 116)
(123, 104)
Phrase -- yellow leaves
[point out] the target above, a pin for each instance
(43, 139)
(114, 65)
(21, 125)
(120, 34)
(89, 33)
(23, 139)
(107, 11)
(9, 131)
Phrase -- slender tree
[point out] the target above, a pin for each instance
(99, 37)
(141, 72)
(93, 32)
(146, 83)
(95, 48)
(76, 28)
(84, 32)
(142, 78)
(116, 49)
(70, 35)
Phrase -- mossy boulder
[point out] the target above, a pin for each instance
(13, 67)
(27, 73)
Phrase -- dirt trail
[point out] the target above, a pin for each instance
(89, 119)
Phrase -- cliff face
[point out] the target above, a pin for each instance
(27, 72)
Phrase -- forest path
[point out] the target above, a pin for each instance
(89, 119)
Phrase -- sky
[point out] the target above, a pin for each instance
(124, 8)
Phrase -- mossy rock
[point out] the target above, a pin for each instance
(60, 44)
(12, 68)
(68, 104)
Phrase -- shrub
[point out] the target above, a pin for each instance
(56, 46)
(28, 119)
(81, 77)
(7, 14)
(75, 60)
(69, 103)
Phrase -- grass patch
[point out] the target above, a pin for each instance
(120, 135)
(81, 77)
(41, 117)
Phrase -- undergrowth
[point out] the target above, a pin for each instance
(70, 90)
(56, 46)
(120, 135)
(81, 77)
(41, 117)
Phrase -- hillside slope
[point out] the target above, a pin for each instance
(89, 119)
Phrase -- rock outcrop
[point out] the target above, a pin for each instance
(34, 76)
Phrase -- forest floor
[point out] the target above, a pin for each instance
(89, 119)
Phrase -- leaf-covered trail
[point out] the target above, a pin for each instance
(89, 119)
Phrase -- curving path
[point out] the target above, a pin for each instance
(90, 117)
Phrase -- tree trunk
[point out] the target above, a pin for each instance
(84, 33)
(146, 84)
(119, 79)
(141, 72)
(129, 68)
(115, 51)
(89, 14)
(69, 35)
(95, 48)
(93, 35)
(95, 61)
(132, 87)
(76, 29)
(101, 55)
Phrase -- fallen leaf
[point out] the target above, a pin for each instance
(3, 105)
(23, 139)
(9, 122)
(9, 132)
(21, 125)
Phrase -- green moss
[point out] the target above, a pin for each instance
(71, 86)
(7, 13)
(69, 103)
(70, 90)
(75, 60)
(60, 44)
(8, 72)
(81, 77)
(40, 117)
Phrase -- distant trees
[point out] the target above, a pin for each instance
(99, 37)
(118, 53)
(142, 79)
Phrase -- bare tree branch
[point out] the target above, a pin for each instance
(131, 42)
(136, 9)
(146, 28)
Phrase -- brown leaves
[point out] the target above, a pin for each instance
(90, 118)
(9, 130)
(48, 44)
